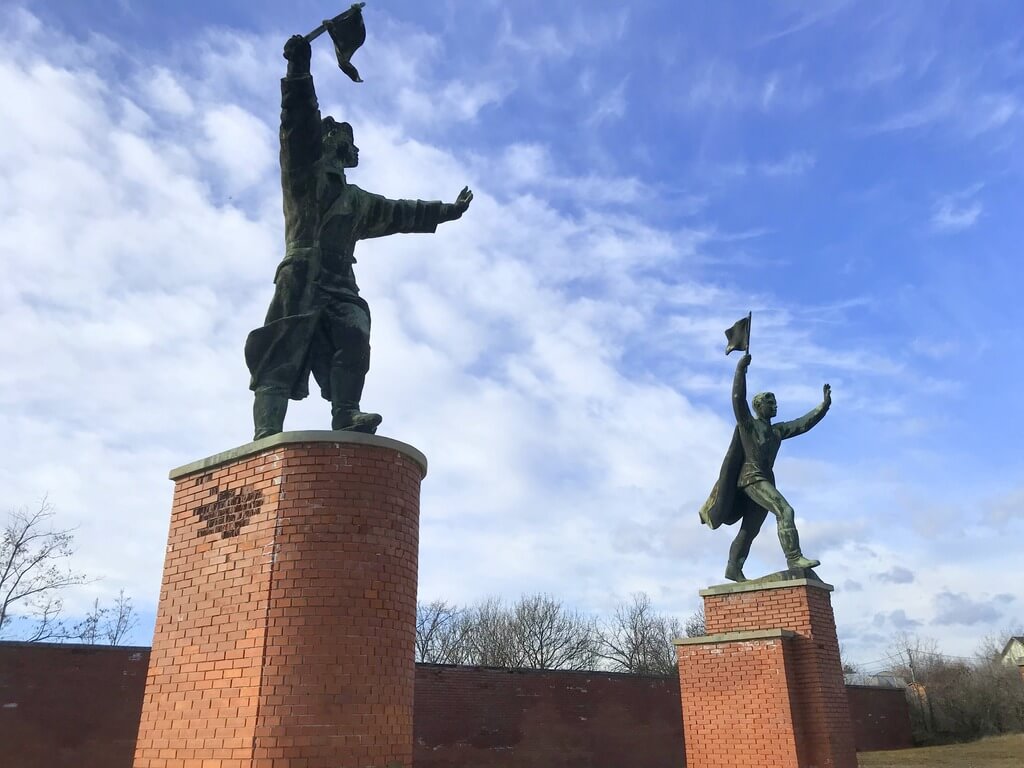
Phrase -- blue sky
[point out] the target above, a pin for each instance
(645, 174)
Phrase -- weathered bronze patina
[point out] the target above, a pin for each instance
(317, 322)
(746, 491)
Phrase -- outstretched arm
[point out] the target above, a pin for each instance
(796, 427)
(739, 391)
(390, 217)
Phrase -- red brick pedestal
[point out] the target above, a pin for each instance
(764, 688)
(286, 626)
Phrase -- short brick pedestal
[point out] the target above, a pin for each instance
(764, 688)
(286, 626)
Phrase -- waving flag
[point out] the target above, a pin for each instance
(348, 32)
(738, 337)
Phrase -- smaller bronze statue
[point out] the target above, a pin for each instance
(317, 322)
(746, 491)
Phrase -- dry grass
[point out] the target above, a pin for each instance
(996, 752)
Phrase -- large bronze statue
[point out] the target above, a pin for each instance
(317, 321)
(746, 491)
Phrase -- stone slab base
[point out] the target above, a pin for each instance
(764, 689)
(286, 625)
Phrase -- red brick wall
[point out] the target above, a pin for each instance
(881, 718)
(286, 624)
(79, 707)
(69, 706)
(473, 717)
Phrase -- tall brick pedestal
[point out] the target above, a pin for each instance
(764, 688)
(286, 626)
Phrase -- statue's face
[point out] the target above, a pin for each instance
(767, 408)
(349, 155)
(337, 146)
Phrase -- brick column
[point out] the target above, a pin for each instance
(286, 625)
(765, 687)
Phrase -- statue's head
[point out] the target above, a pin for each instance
(339, 142)
(765, 405)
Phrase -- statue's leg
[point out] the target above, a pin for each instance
(350, 335)
(768, 496)
(268, 410)
(749, 528)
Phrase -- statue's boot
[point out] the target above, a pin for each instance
(346, 390)
(738, 555)
(790, 541)
(268, 411)
(734, 571)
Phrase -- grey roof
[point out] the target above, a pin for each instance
(1018, 638)
(882, 680)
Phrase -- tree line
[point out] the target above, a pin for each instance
(538, 631)
(35, 572)
(959, 698)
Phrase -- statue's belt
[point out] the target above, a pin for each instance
(303, 246)
(312, 253)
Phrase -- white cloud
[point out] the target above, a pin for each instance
(955, 214)
(794, 164)
(163, 91)
(238, 144)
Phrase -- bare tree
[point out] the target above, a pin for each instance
(121, 619)
(849, 666)
(551, 636)
(88, 629)
(639, 640)
(33, 571)
(957, 698)
(440, 633)
(490, 639)
(695, 624)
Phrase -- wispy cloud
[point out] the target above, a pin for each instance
(807, 17)
(793, 164)
(723, 84)
(957, 212)
(593, 30)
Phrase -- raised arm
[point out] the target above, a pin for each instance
(301, 143)
(796, 427)
(739, 391)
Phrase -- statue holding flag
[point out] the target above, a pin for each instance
(317, 322)
(746, 491)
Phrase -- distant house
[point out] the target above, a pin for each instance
(1013, 653)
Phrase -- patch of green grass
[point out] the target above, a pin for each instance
(995, 752)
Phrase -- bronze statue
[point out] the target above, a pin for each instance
(317, 321)
(746, 491)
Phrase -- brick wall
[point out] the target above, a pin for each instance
(881, 718)
(69, 706)
(499, 718)
(79, 707)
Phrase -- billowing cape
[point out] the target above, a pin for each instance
(726, 505)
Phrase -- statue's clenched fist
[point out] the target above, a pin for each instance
(298, 52)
